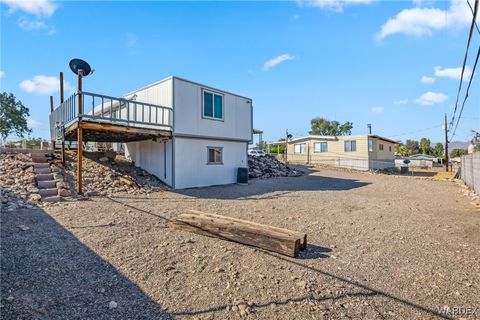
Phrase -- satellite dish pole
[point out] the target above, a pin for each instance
(81, 68)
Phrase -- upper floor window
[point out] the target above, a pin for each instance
(320, 147)
(300, 148)
(350, 146)
(380, 147)
(212, 105)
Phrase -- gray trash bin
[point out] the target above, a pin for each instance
(404, 170)
(242, 175)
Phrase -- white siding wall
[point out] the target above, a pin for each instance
(149, 155)
(237, 122)
(159, 94)
(192, 170)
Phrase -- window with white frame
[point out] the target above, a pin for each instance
(214, 155)
(319, 147)
(380, 147)
(212, 105)
(350, 146)
(300, 148)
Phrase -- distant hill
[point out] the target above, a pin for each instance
(456, 144)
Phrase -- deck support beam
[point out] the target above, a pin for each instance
(51, 110)
(79, 136)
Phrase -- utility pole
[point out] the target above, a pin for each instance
(286, 146)
(446, 144)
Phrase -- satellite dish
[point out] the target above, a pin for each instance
(77, 65)
(406, 161)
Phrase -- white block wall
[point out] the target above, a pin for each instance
(192, 170)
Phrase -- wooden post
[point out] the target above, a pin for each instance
(61, 87)
(51, 110)
(446, 144)
(79, 136)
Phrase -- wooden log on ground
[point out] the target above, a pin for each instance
(274, 239)
(301, 236)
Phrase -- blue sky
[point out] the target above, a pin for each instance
(356, 60)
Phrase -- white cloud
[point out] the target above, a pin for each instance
(2, 74)
(429, 98)
(276, 61)
(333, 5)
(43, 85)
(423, 21)
(41, 8)
(427, 80)
(377, 109)
(453, 73)
(29, 25)
(34, 124)
(400, 102)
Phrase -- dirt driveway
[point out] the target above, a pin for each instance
(382, 247)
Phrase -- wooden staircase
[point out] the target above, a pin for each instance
(45, 178)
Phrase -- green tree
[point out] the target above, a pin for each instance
(412, 146)
(425, 146)
(403, 151)
(438, 150)
(458, 152)
(13, 116)
(325, 127)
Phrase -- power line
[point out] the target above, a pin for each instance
(465, 61)
(466, 93)
(415, 131)
(471, 10)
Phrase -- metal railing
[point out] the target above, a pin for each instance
(106, 109)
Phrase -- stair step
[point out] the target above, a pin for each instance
(39, 159)
(42, 170)
(48, 192)
(46, 184)
(41, 165)
(43, 177)
(52, 199)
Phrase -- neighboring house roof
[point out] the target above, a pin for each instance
(334, 138)
(384, 139)
(421, 156)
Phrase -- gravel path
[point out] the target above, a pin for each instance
(382, 247)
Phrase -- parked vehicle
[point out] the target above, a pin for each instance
(258, 153)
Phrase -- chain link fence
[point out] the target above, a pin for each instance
(470, 171)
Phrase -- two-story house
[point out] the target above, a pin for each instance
(210, 132)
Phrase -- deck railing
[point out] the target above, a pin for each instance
(106, 109)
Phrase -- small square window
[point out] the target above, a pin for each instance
(300, 148)
(215, 155)
(350, 146)
(319, 147)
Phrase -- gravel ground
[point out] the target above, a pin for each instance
(381, 247)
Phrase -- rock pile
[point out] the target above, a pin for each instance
(106, 174)
(17, 182)
(268, 167)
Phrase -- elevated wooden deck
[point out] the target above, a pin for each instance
(109, 119)
(107, 132)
